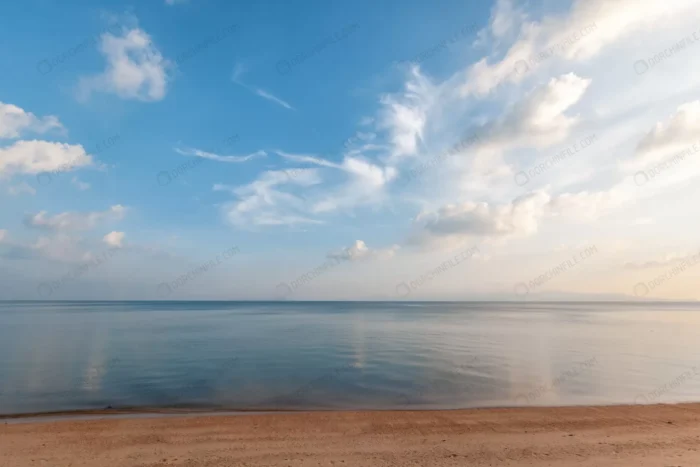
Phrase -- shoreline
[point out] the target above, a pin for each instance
(614, 436)
(190, 411)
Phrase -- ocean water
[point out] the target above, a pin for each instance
(345, 355)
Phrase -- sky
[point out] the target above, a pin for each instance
(327, 150)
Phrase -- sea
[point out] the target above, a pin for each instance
(65, 356)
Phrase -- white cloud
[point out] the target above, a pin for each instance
(308, 159)
(114, 239)
(75, 220)
(504, 18)
(135, 68)
(665, 139)
(31, 157)
(587, 206)
(23, 187)
(360, 251)
(266, 95)
(667, 260)
(404, 115)
(239, 70)
(82, 186)
(58, 247)
(217, 157)
(14, 121)
(580, 34)
(481, 219)
(263, 203)
(365, 184)
(3, 234)
(538, 121)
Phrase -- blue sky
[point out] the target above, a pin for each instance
(333, 144)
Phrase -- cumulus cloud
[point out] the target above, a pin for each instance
(66, 221)
(217, 157)
(522, 216)
(135, 68)
(587, 206)
(114, 239)
(14, 121)
(481, 219)
(32, 157)
(360, 251)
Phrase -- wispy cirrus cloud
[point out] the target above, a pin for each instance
(239, 70)
(265, 202)
(264, 94)
(219, 158)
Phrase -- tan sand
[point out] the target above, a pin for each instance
(645, 436)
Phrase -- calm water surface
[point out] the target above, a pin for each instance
(311, 355)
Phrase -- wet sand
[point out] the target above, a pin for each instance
(645, 436)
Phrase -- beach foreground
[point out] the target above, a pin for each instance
(659, 436)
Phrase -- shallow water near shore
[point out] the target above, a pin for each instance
(58, 356)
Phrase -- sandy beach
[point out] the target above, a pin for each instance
(659, 436)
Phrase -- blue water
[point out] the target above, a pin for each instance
(315, 355)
